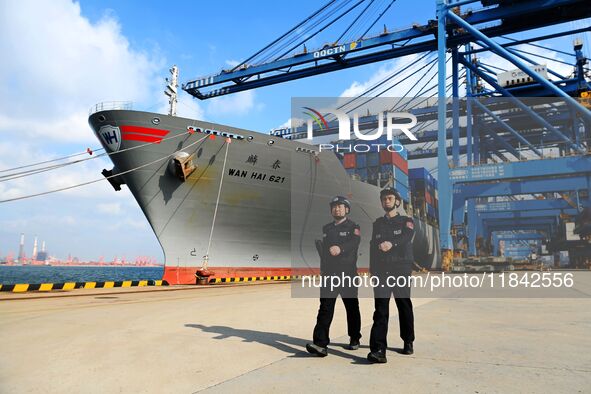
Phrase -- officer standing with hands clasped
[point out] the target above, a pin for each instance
(338, 256)
(391, 257)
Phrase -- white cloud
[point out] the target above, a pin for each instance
(86, 214)
(563, 69)
(68, 220)
(187, 107)
(291, 122)
(127, 223)
(9, 191)
(56, 65)
(109, 208)
(14, 153)
(357, 88)
(235, 104)
(404, 81)
(232, 63)
(60, 65)
(71, 127)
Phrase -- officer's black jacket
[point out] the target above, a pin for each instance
(398, 230)
(346, 236)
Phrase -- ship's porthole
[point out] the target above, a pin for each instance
(250, 138)
(101, 118)
(271, 142)
(156, 120)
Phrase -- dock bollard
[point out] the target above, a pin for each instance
(202, 276)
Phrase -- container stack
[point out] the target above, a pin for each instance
(424, 192)
(380, 166)
(516, 251)
(394, 165)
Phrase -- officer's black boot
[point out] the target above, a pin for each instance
(377, 357)
(316, 350)
(407, 348)
(353, 344)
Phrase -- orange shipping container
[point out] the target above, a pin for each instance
(349, 160)
(387, 157)
(400, 162)
(428, 198)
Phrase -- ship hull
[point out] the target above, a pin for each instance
(252, 207)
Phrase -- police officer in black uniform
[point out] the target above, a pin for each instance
(391, 256)
(338, 256)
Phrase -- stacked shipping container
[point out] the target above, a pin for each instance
(424, 192)
(378, 167)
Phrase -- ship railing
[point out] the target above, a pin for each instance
(110, 105)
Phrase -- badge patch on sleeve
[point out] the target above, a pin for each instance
(357, 232)
(410, 224)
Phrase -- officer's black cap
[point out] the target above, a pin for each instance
(340, 200)
(390, 191)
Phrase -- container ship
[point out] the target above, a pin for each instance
(234, 203)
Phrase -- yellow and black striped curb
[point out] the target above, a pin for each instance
(23, 287)
(253, 279)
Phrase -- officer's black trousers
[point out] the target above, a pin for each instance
(379, 330)
(325, 315)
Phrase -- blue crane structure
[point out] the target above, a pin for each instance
(513, 156)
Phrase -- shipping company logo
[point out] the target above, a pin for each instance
(395, 121)
(111, 136)
(336, 50)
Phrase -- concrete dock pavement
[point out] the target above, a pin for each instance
(251, 338)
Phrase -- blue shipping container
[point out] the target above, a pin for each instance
(362, 172)
(372, 173)
(403, 152)
(360, 160)
(384, 140)
(387, 169)
(373, 159)
(402, 189)
(400, 176)
(396, 146)
(423, 173)
(431, 211)
(418, 173)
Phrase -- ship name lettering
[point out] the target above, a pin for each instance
(258, 175)
(277, 179)
(239, 173)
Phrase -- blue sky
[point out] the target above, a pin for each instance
(60, 58)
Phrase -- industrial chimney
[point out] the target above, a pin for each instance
(21, 251)
(34, 256)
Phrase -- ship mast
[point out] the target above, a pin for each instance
(171, 90)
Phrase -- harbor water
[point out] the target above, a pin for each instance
(58, 274)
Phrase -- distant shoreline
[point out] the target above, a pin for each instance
(81, 265)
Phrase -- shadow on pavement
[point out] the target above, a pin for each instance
(295, 347)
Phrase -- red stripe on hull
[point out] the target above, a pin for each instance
(144, 130)
(139, 137)
(186, 275)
